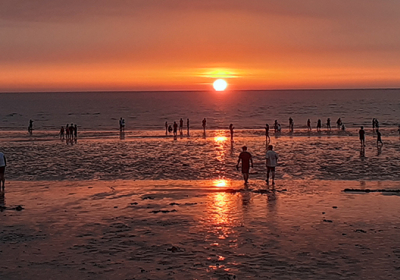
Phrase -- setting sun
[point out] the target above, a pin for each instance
(220, 85)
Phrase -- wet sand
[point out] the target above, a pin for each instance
(199, 230)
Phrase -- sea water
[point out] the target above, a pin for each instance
(244, 109)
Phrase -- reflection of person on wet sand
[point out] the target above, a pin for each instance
(3, 164)
(247, 162)
(271, 161)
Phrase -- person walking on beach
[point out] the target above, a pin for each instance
(231, 130)
(181, 125)
(291, 124)
(373, 124)
(175, 128)
(378, 138)
(376, 124)
(271, 159)
(166, 127)
(204, 123)
(319, 125)
(276, 126)
(67, 131)
(30, 127)
(309, 125)
(187, 126)
(267, 138)
(328, 124)
(3, 164)
(361, 133)
(62, 133)
(339, 123)
(399, 129)
(76, 130)
(247, 162)
(120, 124)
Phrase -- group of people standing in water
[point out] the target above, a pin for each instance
(174, 127)
(69, 132)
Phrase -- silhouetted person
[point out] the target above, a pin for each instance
(291, 124)
(376, 124)
(120, 124)
(267, 138)
(339, 123)
(361, 133)
(169, 128)
(3, 164)
(271, 159)
(175, 128)
(373, 124)
(231, 130)
(399, 129)
(247, 162)
(71, 130)
(67, 131)
(30, 127)
(187, 126)
(181, 125)
(308, 125)
(204, 124)
(328, 124)
(378, 138)
(343, 127)
(62, 132)
(76, 131)
(166, 128)
(276, 126)
(319, 125)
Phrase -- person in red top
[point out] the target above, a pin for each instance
(247, 162)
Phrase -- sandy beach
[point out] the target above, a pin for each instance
(199, 230)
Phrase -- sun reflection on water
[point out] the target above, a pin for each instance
(220, 183)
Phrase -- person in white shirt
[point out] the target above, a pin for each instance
(271, 161)
(3, 164)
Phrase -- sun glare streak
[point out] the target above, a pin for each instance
(220, 183)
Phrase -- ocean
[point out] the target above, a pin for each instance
(145, 152)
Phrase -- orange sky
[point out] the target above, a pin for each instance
(55, 45)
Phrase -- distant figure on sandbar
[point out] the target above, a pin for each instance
(339, 123)
(76, 131)
(378, 138)
(169, 128)
(291, 124)
(187, 126)
(204, 124)
(267, 138)
(3, 164)
(247, 162)
(181, 125)
(373, 124)
(67, 131)
(308, 125)
(62, 133)
(319, 125)
(328, 124)
(271, 159)
(30, 127)
(361, 133)
(166, 127)
(231, 130)
(175, 128)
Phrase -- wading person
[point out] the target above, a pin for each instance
(271, 161)
(247, 162)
